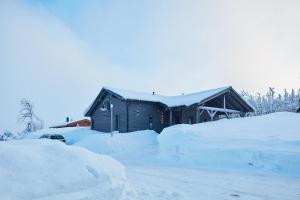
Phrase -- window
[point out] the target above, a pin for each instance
(161, 117)
(105, 105)
(150, 122)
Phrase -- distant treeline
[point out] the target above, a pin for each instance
(271, 102)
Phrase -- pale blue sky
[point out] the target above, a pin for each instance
(60, 53)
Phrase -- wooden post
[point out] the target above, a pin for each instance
(211, 114)
(197, 115)
(111, 119)
(170, 117)
(127, 116)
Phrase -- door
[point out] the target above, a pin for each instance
(150, 122)
(117, 123)
(177, 117)
(191, 119)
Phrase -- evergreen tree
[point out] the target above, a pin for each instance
(269, 103)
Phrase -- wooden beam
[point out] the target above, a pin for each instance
(199, 115)
(211, 113)
(218, 109)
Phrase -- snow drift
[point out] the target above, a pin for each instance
(270, 142)
(71, 134)
(130, 146)
(45, 169)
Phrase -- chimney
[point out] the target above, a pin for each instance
(67, 119)
(153, 93)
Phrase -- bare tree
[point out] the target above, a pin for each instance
(28, 116)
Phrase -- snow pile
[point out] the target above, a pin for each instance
(71, 134)
(129, 144)
(270, 142)
(46, 169)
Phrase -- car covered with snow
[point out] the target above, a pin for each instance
(53, 137)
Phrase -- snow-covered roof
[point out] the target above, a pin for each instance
(170, 101)
(69, 122)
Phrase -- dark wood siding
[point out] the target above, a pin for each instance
(139, 112)
(187, 113)
(133, 115)
(138, 115)
(101, 118)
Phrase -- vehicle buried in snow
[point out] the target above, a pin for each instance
(53, 137)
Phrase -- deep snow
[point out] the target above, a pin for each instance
(268, 143)
(127, 147)
(45, 169)
(244, 158)
(71, 134)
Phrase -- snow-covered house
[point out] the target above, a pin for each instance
(73, 123)
(126, 111)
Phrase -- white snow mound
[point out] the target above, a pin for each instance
(120, 143)
(270, 142)
(45, 169)
(71, 134)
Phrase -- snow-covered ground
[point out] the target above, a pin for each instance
(45, 169)
(269, 143)
(71, 134)
(174, 183)
(244, 158)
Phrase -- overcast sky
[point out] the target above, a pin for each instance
(59, 53)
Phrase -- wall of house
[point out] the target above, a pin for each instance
(187, 113)
(84, 122)
(102, 119)
(139, 113)
(137, 116)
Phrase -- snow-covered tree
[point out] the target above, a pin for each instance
(7, 135)
(28, 117)
(269, 103)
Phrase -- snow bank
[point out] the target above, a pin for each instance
(71, 134)
(270, 142)
(126, 147)
(45, 169)
(120, 143)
